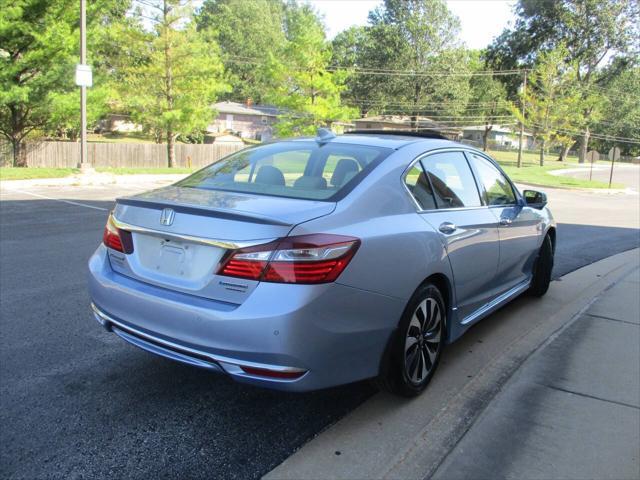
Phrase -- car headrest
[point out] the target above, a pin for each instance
(343, 167)
(270, 175)
(310, 183)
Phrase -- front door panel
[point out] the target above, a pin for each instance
(519, 230)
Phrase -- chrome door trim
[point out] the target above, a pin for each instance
(226, 244)
(496, 302)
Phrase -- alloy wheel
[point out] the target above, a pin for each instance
(423, 340)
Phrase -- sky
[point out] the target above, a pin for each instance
(481, 20)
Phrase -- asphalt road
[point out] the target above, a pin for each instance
(76, 401)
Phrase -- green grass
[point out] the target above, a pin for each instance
(536, 175)
(15, 173)
(144, 171)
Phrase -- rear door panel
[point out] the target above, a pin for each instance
(473, 251)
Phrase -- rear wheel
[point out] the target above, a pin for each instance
(542, 269)
(417, 345)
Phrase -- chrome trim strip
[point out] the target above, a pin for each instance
(214, 358)
(499, 300)
(166, 352)
(226, 244)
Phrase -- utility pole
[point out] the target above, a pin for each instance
(84, 163)
(524, 93)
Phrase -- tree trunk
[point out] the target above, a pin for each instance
(485, 136)
(542, 153)
(171, 151)
(584, 146)
(564, 152)
(416, 100)
(19, 153)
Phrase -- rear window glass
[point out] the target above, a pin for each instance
(303, 170)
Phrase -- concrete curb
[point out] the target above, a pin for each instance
(388, 437)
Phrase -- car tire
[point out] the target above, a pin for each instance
(542, 269)
(415, 348)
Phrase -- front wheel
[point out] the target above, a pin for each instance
(417, 345)
(542, 269)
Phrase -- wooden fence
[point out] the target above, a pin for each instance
(129, 155)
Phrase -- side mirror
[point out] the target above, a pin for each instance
(535, 199)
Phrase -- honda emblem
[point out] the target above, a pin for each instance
(166, 217)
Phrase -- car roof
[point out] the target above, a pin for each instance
(389, 140)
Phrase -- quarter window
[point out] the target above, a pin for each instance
(497, 189)
(420, 189)
(452, 180)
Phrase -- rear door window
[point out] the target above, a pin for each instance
(452, 180)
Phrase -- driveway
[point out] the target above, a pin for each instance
(76, 401)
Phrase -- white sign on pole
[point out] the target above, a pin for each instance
(84, 77)
(614, 154)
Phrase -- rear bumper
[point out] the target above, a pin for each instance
(316, 336)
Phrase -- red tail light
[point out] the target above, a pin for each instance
(116, 238)
(318, 258)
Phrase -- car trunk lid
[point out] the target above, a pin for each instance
(180, 235)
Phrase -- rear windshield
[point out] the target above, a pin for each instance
(303, 170)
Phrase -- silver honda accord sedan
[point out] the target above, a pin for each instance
(308, 263)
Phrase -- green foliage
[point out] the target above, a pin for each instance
(37, 59)
(552, 103)
(415, 35)
(621, 112)
(248, 32)
(488, 104)
(592, 34)
(304, 88)
(170, 91)
(590, 30)
(39, 47)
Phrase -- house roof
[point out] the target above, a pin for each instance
(236, 108)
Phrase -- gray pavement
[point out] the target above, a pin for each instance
(572, 410)
(77, 402)
(623, 173)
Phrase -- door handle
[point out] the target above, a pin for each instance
(447, 228)
(506, 221)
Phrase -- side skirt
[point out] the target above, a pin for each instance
(496, 303)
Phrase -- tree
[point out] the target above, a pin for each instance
(420, 36)
(593, 32)
(39, 47)
(355, 48)
(171, 90)
(489, 101)
(305, 88)
(248, 32)
(36, 60)
(621, 112)
(551, 102)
